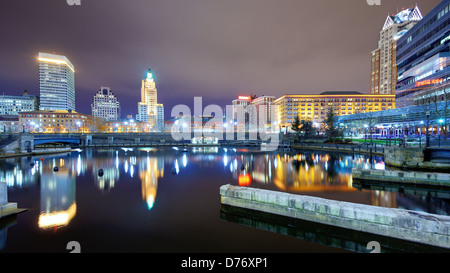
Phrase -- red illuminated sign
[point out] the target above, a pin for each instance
(428, 82)
(244, 97)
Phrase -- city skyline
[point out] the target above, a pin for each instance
(207, 62)
(225, 126)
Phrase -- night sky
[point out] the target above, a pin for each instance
(216, 49)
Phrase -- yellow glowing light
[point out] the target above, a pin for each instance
(58, 218)
(55, 61)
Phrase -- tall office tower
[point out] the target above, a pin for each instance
(149, 97)
(56, 82)
(424, 60)
(106, 105)
(160, 117)
(383, 78)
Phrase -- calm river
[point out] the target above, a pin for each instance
(167, 200)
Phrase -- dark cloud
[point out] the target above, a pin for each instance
(216, 49)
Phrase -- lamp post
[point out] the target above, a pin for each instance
(420, 135)
(427, 143)
(365, 132)
(31, 130)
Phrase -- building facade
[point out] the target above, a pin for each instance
(56, 82)
(423, 56)
(13, 105)
(142, 112)
(126, 126)
(10, 124)
(160, 117)
(241, 112)
(383, 78)
(56, 121)
(106, 105)
(264, 109)
(314, 108)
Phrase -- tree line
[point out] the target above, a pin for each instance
(306, 128)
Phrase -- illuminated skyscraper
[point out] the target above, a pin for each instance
(424, 60)
(56, 82)
(383, 78)
(149, 98)
(149, 110)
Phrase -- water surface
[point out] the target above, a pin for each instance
(167, 200)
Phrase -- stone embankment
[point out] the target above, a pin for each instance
(432, 159)
(401, 224)
(406, 178)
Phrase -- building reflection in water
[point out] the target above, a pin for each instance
(58, 206)
(305, 172)
(150, 170)
(300, 173)
(129, 162)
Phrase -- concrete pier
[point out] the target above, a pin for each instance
(401, 224)
(417, 179)
(6, 208)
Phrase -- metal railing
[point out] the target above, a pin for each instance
(370, 148)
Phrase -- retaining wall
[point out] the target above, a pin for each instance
(405, 177)
(3, 193)
(396, 223)
(411, 158)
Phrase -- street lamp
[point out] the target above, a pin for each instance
(365, 132)
(427, 144)
(441, 121)
(79, 125)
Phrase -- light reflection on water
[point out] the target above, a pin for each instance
(310, 173)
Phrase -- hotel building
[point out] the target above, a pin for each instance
(423, 58)
(314, 108)
(264, 108)
(56, 121)
(241, 113)
(383, 78)
(106, 105)
(56, 83)
(13, 105)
